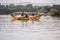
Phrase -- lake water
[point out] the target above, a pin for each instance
(47, 29)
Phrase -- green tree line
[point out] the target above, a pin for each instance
(55, 10)
(7, 9)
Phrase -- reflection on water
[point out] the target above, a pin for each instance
(48, 26)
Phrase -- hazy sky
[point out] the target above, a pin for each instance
(40, 1)
(33, 1)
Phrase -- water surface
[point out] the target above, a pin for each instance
(47, 29)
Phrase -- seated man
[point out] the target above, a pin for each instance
(26, 15)
(32, 14)
(22, 15)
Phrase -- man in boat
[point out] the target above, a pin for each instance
(32, 14)
(24, 15)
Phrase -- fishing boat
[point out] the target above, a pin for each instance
(26, 18)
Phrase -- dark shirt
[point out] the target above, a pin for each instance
(32, 14)
(22, 14)
(26, 16)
